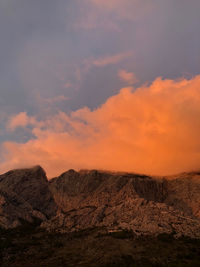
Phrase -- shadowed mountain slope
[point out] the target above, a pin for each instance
(25, 195)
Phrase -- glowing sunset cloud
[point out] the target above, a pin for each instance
(128, 77)
(153, 129)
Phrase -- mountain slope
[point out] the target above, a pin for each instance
(80, 200)
(123, 200)
(25, 195)
(183, 192)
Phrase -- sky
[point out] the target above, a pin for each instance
(100, 84)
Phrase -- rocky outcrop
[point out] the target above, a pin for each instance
(25, 195)
(140, 216)
(84, 199)
(14, 211)
(183, 193)
(74, 189)
(123, 200)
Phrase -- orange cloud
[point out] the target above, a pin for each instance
(153, 129)
(20, 120)
(108, 60)
(128, 77)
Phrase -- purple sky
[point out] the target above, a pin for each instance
(66, 54)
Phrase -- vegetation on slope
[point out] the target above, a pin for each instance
(31, 246)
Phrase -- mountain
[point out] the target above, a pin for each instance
(25, 196)
(80, 200)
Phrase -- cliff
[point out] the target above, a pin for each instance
(25, 195)
(79, 200)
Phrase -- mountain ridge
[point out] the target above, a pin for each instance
(95, 198)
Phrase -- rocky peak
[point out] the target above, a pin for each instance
(31, 186)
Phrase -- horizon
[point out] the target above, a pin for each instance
(112, 172)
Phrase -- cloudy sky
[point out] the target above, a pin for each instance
(100, 84)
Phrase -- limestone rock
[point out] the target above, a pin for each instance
(183, 192)
(122, 200)
(25, 195)
(79, 200)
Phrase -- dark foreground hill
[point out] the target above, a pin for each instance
(98, 218)
(30, 246)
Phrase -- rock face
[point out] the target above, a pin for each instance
(84, 199)
(121, 200)
(183, 193)
(25, 195)
(73, 189)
